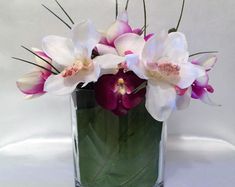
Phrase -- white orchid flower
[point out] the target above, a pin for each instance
(75, 56)
(119, 27)
(123, 45)
(163, 61)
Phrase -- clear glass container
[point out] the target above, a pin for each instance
(115, 151)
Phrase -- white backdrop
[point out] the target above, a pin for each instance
(45, 122)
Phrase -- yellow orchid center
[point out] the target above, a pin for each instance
(121, 88)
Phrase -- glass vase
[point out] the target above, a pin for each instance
(115, 151)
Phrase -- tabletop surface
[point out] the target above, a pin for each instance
(47, 162)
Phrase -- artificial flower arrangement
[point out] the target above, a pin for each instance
(123, 67)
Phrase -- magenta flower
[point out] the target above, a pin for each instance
(117, 93)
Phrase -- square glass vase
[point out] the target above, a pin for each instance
(115, 151)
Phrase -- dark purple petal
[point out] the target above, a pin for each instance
(120, 110)
(130, 101)
(107, 95)
(104, 92)
(132, 81)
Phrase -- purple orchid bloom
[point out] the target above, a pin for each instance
(201, 87)
(118, 93)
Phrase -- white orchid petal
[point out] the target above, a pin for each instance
(92, 75)
(31, 83)
(117, 29)
(84, 35)
(178, 56)
(134, 64)
(123, 16)
(207, 61)
(129, 42)
(203, 80)
(182, 102)
(154, 47)
(176, 40)
(28, 97)
(59, 49)
(105, 49)
(160, 100)
(58, 85)
(46, 63)
(108, 63)
(188, 74)
(42, 55)
(207, 100)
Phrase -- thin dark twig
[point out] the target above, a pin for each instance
(116, 9)
(57, 17)
(145, 18)
(28, 62)
(41, 58)
(143, 28)
(64, 12)
(181, 15)
(127, 3)
(203, 52)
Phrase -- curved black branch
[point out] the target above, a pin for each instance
(40, 58)
(64, 12)
(203, 52)
(28, 62)
(145, 18)
(57, 16)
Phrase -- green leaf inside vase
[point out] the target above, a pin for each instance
(118, 151)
